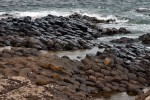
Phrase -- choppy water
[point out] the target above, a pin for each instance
(124, 11)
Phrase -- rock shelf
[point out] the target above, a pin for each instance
(54, 33)
(25, 73)
(118, 68)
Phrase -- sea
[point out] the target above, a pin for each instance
(127, 13)
(134, 14)
(131, 14)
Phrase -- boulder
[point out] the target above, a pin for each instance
(124, 40)
(145, 38)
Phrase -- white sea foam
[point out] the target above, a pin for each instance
(141, 9)
(101, 17)
(142, 28)
(35, 14)
(1, 13)
(148, 47)
(38, 14)
(116, 20)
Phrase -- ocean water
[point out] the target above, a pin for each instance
(123, 11)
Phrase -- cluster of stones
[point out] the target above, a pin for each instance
(18, 88)
(124, 40)
(61, 76)
(53, 33)
(118, 68)
(144, 96)
(145, 38)
(17, 52)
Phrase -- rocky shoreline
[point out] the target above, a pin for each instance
(54, 33)
(25, 73)
(124, 69)
(144, 96)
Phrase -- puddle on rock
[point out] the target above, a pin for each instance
(77, 54)
(115, 95)
(81, 54)
(7, 47)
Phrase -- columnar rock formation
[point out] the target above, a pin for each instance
(53, 33)
(124, 69)
(25, 73)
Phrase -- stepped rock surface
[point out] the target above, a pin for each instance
(42, 76)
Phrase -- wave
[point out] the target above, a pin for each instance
(135, 28)
(109, 17)
(141, 9)
(33, 14)
(101, 17)
(38, 14)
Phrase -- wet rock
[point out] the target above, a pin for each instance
(67, 80)
(143, 96)
(132, 76)
(6, 55)
(55, 67)
(34, 67)
(21, 88)
(99, 75)
(108, 61)
(83, 88)
(145, 38)
(105, 72)
(114, 73)
(10, 72)
(123, 30)
(124, 77)
(92, 89)
(92, 78)
(24, 72)
(64, 76)
(53, 33)
(106, 89)
(109, 86)
(108, 78)
(102, 45)
(91, 19)
(133, 89)
(90, 72)
(122, 89)
(41, 80)
(43, 63)
(18, 54)
(56, 77)
(96, 68)
(89, 83)
(50, 43)
(124, 40)
(141, 80)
